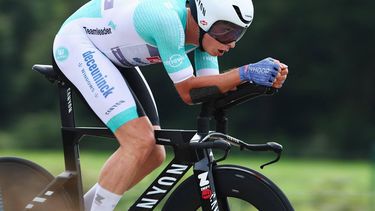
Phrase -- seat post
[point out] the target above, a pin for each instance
(70, 141)
(66, 105)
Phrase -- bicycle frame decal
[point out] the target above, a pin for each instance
(39, 200)
(208, 194)
(205, 186)
(69, 100)
(161, 186)
(214, 204)
(204, 179)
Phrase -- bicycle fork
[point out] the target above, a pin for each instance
(203, 172)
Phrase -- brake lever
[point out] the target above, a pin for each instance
(277, 148)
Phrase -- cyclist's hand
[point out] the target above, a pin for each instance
(263, 72)
(281, 75)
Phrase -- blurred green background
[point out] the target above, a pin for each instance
(323, 115)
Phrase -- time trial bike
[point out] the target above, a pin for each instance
(25, 185)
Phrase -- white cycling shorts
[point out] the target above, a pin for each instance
(98, 80)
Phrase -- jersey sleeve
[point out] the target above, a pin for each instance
(205, 64)
(171, 44)
(168, 34)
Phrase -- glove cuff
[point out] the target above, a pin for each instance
(244, 75)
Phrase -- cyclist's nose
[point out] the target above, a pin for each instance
(232, 44)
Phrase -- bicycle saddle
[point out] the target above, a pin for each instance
(47, 71)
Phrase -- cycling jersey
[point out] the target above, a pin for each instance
(127, 33)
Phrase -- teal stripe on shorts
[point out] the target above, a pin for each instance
(122, 118)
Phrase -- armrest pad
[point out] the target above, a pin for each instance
(204, 94)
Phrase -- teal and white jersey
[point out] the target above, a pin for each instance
(141, 32)
(128, 33)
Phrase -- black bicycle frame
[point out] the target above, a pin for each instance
(71, 179)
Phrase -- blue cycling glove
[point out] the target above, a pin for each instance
(263, 72)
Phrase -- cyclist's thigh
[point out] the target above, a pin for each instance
(96, 78)
(142, 93)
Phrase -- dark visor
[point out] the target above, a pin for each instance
(226, 32)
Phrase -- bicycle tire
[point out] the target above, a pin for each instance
(232, 181)
(21, 180)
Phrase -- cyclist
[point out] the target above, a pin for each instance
(107, 38)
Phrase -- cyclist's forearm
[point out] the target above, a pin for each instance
(224, 82)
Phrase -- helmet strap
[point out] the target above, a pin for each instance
(193, 12)
(201, 35)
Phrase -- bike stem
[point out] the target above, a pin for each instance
(203, 168)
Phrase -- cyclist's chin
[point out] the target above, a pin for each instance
(216, 52)
(219, 53)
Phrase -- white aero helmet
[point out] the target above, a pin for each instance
(224, 20)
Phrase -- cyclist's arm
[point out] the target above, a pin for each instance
(224, 82)
(169, 36)
(170, 40)
(182, 74)
(160, 26)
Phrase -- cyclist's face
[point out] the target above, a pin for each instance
(214, 47)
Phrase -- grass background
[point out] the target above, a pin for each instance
(310, 184)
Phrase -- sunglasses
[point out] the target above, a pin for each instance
(226, 32)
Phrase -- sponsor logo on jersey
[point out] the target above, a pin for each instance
(87, 79)
(97, 31)
(61, 54)
(120, 57)
(175, 60)
(97, 75)
(154, 59)
(112, 25)
(113, 107)
(139, 61)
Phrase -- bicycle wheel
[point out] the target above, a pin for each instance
(238, 189)
(21, 180)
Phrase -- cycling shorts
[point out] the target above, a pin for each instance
(114, 99)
